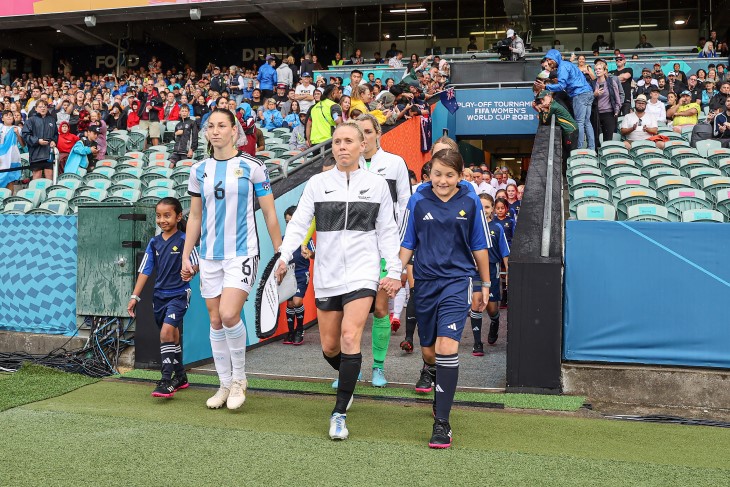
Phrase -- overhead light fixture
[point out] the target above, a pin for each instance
(557, 29)
(407, 10)
(487, 32)
(195, 14)
(414, 35)
(636, 26)
(58, 30)
(229, 21)
(680, 22)
(507, 158)
(387, 36)
(90, 21)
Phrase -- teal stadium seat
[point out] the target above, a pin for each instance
(707, 216)
(681, 199)
(596, 212)
(647, 213)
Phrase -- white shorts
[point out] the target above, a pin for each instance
(237, 273)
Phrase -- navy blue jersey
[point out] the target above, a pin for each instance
(508, 226)
(443, 235)
(514, 209)
(500, 246)
(165, 257)
(301, 265)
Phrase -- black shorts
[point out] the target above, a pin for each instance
(337, 303)
(40, 165)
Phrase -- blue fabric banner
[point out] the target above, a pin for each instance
(495, 112)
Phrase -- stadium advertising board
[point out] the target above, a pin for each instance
(494, 112)
(35, 7)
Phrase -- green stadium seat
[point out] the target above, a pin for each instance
(185, 201)
(136, 140)
(69, 176)
(40, 184)
(716, 155)
(723, 165)
(654, 162)
(618, 161)
(631, 181)
(94, 176)
(129, 170)
(698, 174)
(34, 196)
(127, 183)
(104, 170)
(704, 146)
(181, 174)
(609, 144)
(169, 131)
(583, 171)
(712, 185)
(72, 184)
(181, 189)
(647, 213)
(126, 194)
(4, 193)
(681, 199)
(614, 173)
(99, 184)
(119, 132)
(161, 183)
(659, 171)
(158, 148)
(595, 211)
(588, 195)
(583, 161)
(701, 215)
(586, 182)
(642, 144)
(291, 153)
(54, 207)
(637, 153)
(159, 193)
(665, 184)
(722, 201)
(186, 162)
(116, 145)
(17, 207)
(107, 163)
(160, 163)
(60, 192)
(630, 197)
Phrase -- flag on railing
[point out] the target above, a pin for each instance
(9, 158)
(448, 100)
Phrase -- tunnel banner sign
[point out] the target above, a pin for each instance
(493, 112)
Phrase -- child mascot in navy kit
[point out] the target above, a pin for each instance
(446, 232)
(172, 293)
(295, 306)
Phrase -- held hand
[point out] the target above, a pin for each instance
(485, 299)
(187, 272)
(131, 306)
(391, 286)
(280, 272)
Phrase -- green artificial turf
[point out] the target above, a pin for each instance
(34, 383)
(518, 401)
(113, 433)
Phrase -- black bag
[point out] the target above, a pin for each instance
(701, 131)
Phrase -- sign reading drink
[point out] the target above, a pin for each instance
(494, 112)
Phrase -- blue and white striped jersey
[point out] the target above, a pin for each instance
(227, 188)
(165, 256)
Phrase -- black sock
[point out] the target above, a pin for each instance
(333, 361)
(476, 325)
(447, 375)
(300, 318)
(495, 317)
(290, 319)
(349, 370)
(178, 362)
(410, 317)
(167, 353)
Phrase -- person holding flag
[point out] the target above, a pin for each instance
(9, 153)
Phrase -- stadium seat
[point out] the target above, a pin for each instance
(158, 148)
(635, 196)
(181, 174)
(660, 170)
(627, 182)
(708, 216)
(17, 207)
(99, 184)
(618, 161)
(104, 170)
(279, 150)
(34, 196)
(72, 184)
(647, 213)
(583, 152)
(654, 162)
(722, 201)
(723, 165)
(159, 193)
(117, 144)
(704, 146)
(712, 185)
(60, 192)
(642, 144)
(583, 171)
(181, 189)
(169, 131)
(52, 208)
(161, 183)
(107, 163)
(136, 140)
(681, 199)
(4, 193)
(595, 211)
(185, 201)
(609, 144)
(40, 184)
(716, 155)
(614, 173)
(127, 183)
(130, 170)
(67, 176)
(116, 132)
(186, 162)
(152, 173)
(281, 132)
(160, 163)
(646, 152)
(698, 174)
(156, 155)
(588, 195)
(583, 161)
(665, 184)
(291, 153)
(87, 196)
(125, 194)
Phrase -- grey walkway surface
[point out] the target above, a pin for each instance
(306, 360)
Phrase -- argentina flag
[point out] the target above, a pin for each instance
(9, 158)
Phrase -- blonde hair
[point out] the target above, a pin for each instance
(448, 142)
(367, 117)
(351, 125)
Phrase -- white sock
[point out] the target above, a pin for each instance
(236, 338)
(399, 302)
(221, 356)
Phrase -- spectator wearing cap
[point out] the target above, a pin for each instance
(655, 107)
(280, 97)
(639, 125)
(267, 77)
(673, 84)
(217, 81)
(625, 76)
(572, 81)
(304, 92)
(516, 46)
(609, 100)
(644, 84)
(685, 113)
(546, 107)
(284, 73)
(82, 149)
(643, 43)
(721, 125)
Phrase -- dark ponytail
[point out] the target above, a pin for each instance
(177, 206)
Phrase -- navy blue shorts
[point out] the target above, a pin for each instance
(170, 309)
(302, 284)
(495, 291)
(442, 308)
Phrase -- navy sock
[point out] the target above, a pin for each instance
(167, 354)
(476, 325)
(300, 318)
(411, 317)
(494, 317)
(334, 361)
(349, 370)
(178, 362)
(290, 319)
(447, 375)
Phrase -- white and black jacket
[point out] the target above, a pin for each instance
(355, 229)
(395, 171)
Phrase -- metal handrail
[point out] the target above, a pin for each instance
(321, 151)
(547, 211)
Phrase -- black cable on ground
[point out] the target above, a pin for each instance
(659, 418)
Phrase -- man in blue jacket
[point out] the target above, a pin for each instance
(267, 77)
(573, 82)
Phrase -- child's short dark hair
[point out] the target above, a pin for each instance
(487, 197)
(503, 201)
(426, 170)
(290, 211)
(450, 158)
(177, 206)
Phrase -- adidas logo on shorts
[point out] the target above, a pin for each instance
(452, 326)
(428, 216)
(172, 316)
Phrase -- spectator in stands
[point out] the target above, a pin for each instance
(657, 73)
(643, 86)
(304, 92)
(355, 79)
(281, 97)
(721, 125)
(66, 141)
(284, 73)
(292, 120)
(655, 107)
(708, 94)
(516, 47)
(5, 77)
(685, 113)
(40, 134)
(133, 115)
(639, 125)
(324, 116)
(150, 111)
(586, 69)
(717, 102)
(396, 61)
(708, 51)
(96, 119)
(171, 109)
(83, 152)
(235, 84)
(701, 76)
(472, 44)
(391, 52)
(681, 75)
(609, 101)
(673, 84)
(117, 118)
(186, 137)
(316, 63)
(200, 109)
(270, 117)
(711, 75)
(694, 87)
(267, 77)
(217, 80)
(256, 100)
(546, 108)
(357, 58)
(600, 44)
(286, 106)
(345, 104)
(625, 76)
(574, 83)
(338, 61)
(643, 43)
(298, 137)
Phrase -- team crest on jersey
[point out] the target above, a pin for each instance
(462, 215)
(238, 172)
